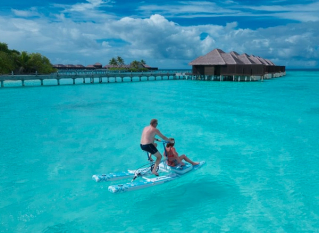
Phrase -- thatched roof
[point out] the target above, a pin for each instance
(58, 65)
(263, 61)
(255, 60)
(270, 62)
(212, 58)
(146, 66)
(219, 57)
(245, 59)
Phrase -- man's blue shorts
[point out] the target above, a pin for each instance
(149, 148)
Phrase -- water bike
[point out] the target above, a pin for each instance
(167, 173)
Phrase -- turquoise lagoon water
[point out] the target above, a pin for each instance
(259, 139)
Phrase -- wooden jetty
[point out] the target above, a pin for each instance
(102, 76)
(91, 75)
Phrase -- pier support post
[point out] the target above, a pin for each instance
(233, 78)
(100, 80)
(22, 82)
(58, 81)
(41, 82)
(83, 80)
(73, 81)
(1, 83)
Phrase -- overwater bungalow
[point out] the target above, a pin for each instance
(79, 66)
(59, 66)
(232, 66)
(98, 65)
(148, 67)
(90, 67)
(113, 66)
(70, 66)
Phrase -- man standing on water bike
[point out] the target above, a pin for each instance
(147, 142)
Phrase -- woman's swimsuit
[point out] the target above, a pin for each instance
(171, 161)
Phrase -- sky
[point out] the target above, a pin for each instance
(166, 34)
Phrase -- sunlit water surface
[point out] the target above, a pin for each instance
(259, 139)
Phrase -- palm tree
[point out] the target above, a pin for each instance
(120, 61)
(135, 64)
(113, 62)
(143, 62)
(23, 62)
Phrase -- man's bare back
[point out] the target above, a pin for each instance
(148, 135)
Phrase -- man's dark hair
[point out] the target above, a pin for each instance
(153, 121)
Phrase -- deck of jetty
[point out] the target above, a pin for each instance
(96, 76)
(102, 76)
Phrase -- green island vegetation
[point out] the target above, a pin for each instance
(24, 62)
(117, 64)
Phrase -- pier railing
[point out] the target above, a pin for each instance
(91, 75)
(100, 76)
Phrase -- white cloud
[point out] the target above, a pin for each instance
(155, 39)
(86, 11)
(88, 6)
(26, 13)
(189, 9)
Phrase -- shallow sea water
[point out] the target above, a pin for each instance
(259, 140)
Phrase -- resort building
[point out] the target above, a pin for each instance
(218, 65)
(148, 67)
(97, 66)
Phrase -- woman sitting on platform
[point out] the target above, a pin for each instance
(172, 156)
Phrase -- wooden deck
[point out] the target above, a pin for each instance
(102, 76)
(89, 76)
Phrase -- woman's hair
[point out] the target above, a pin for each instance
(170, 144)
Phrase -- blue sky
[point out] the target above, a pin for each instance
(166, 34)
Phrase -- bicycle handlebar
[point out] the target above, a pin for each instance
(163, 141)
